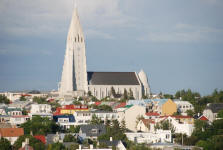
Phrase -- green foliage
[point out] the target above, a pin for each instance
(24, 112)
(168, 96)
(74, 146)
(113, 93)
(69, 138)
(74, 129)
(54, 105)
(131, 94)
(33, 142)
(125, 95)
(40, 100)
(220, 114)
(102, 107)
(95, 120)
(5, 144)
(39, 125)
(56, 146)
(4, 99)
(115, 131)
(139, 147)
(22, 98)
(165, 125)
(190, 113)
(75, 102)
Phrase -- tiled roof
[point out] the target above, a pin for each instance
(120, 105)
(112, 78)
(152, 114)
(42, 138)
(148, 121)
(215, 107)
(11, 132)
(203, 118)
(97, 103)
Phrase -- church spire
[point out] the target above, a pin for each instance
(74, 74)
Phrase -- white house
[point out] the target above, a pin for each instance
(130, 114)
(149, 137)
(183, 106)
(103, 115)
(18, 120)
(211, 111)
(82, 117)
(146, 125)
(43, 110)
(180, 125)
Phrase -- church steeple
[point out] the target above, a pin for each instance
(74, 75)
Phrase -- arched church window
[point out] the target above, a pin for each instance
(81, 40)
(75, 39)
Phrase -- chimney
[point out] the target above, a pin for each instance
(110, 139)
(91, 146)
(79, 147)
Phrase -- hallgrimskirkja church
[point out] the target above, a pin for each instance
(76, 81)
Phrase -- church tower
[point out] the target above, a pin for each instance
(74, 74)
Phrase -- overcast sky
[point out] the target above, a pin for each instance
(178, 43)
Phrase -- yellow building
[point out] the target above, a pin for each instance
(169, 108)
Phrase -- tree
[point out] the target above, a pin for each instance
(40, 125)
(5, 144)
(69, 138)
(89, 93)
(95, 120)
(113, 93)
(190, 113)
(40, 100)
(125, 95)
(36, 144)
(74, 146)
(4, 99)
(131, 94)
(56, 146)
(22, 98)
(74, 129)
(220, 114)
(123, 125)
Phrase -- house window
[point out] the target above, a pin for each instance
(167, 136)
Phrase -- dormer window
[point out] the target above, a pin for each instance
(94, 131)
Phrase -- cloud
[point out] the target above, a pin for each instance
(35, 18)
(184, 33)
(91, 33)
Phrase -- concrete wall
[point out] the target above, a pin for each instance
(101, 91)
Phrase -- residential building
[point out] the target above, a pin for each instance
(43, 110)
(92, 131)
(70, 109)
(211, 111)
(113, 143)
(146, 125)
(103, 115)
(82, 117)
(130, 114)
(149, 137)
(181, 124)
(183, 106)
(11, 134)
(65, 121)
(18, 120)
